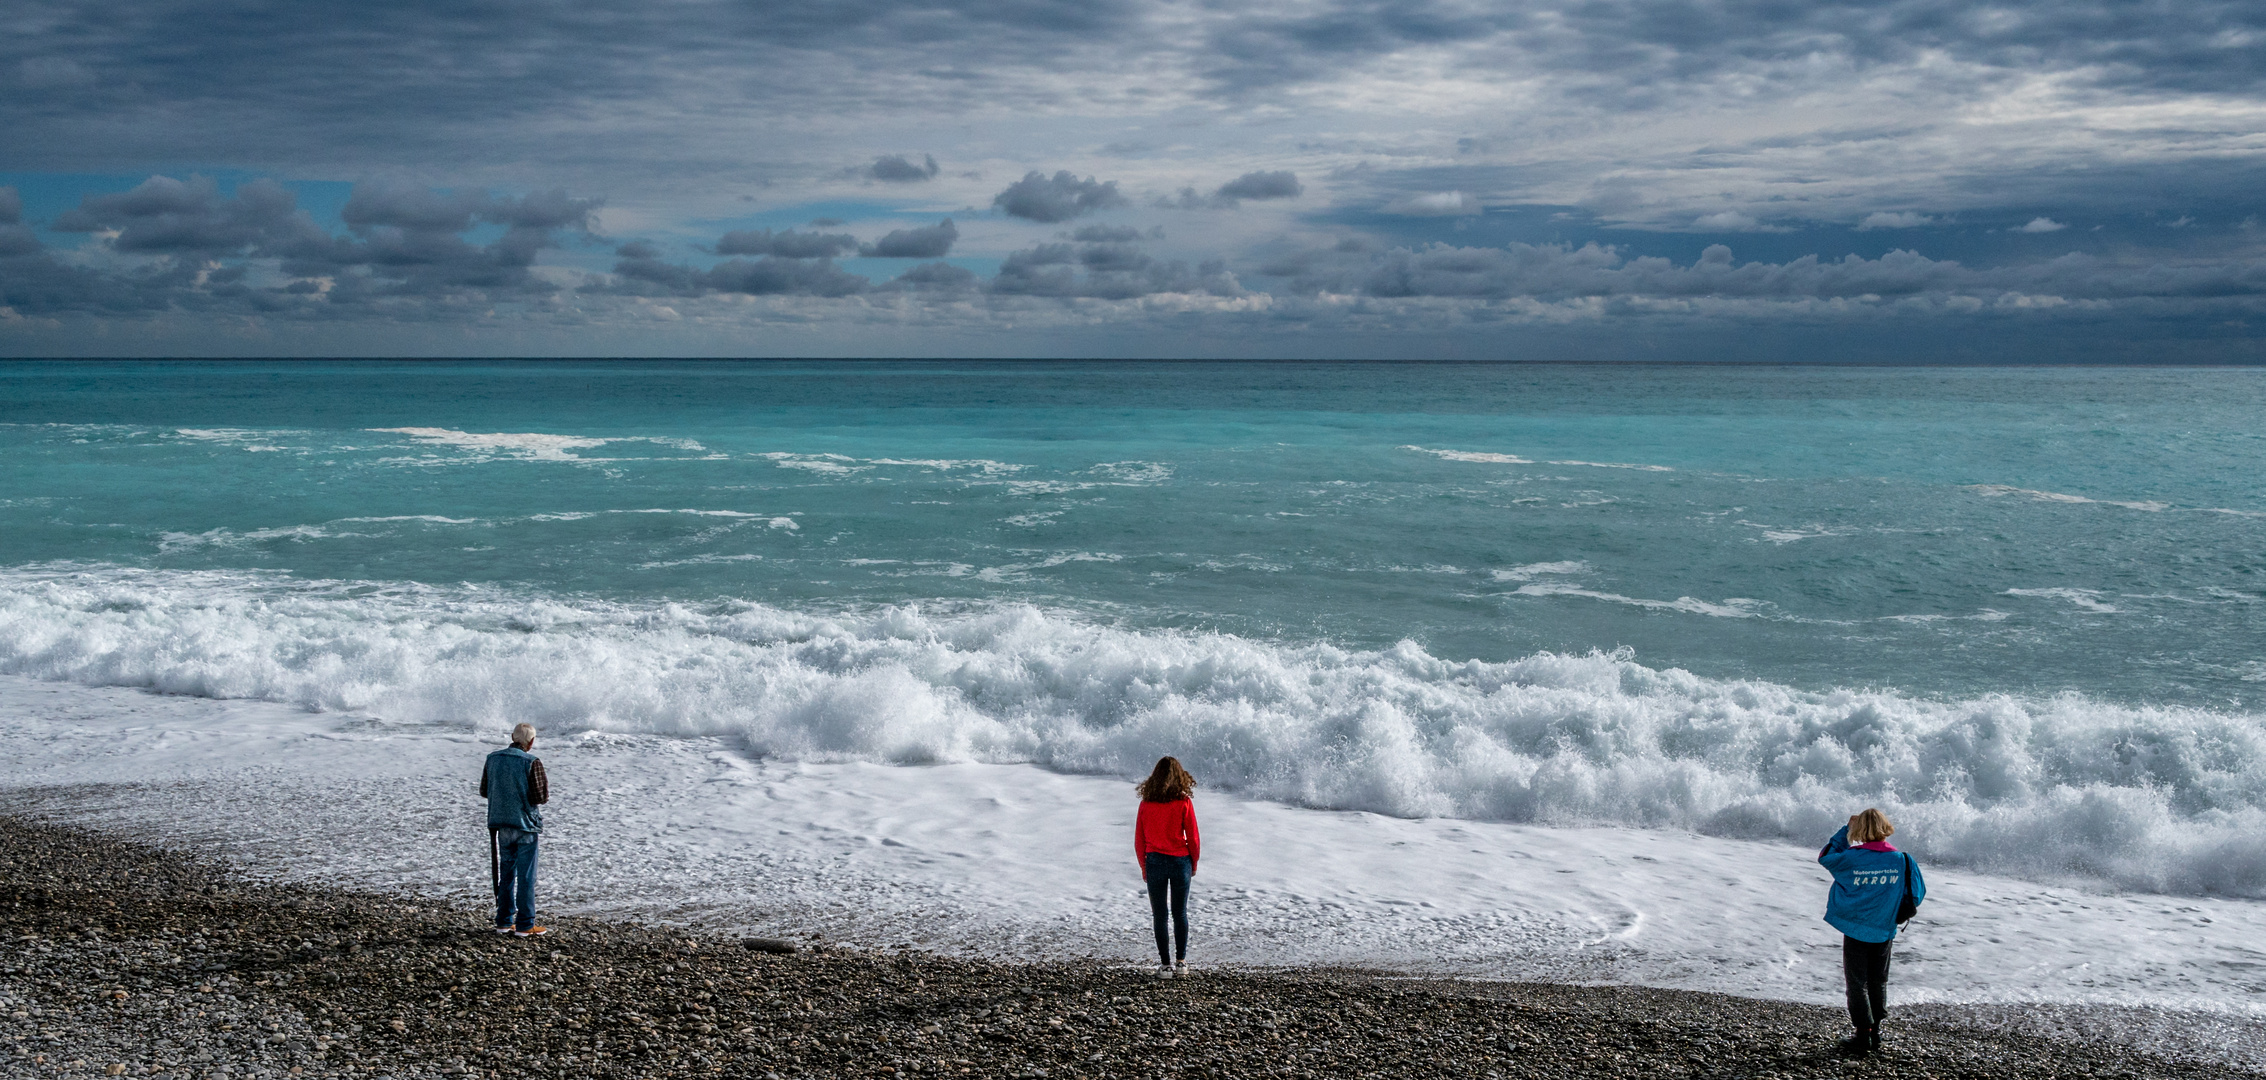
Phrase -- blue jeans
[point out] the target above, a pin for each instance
(1169, 874)
(515, 874)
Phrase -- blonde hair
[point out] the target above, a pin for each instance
(1168, 782)
(1868, 826)
(523, 735)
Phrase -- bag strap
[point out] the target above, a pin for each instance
(1908, 875)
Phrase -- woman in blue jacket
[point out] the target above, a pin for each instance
(1870, 882)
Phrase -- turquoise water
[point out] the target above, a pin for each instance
(1812, 526)
(2022, 601)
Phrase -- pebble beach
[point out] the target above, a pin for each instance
(121, 958)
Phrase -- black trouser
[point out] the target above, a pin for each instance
(1169, 873)
(1864, 967)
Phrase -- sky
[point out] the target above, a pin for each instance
(1893, 180)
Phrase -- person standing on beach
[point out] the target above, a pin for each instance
(1871, 881)
(1167, 845)
(515, 787)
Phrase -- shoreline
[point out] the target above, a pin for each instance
(126, 959)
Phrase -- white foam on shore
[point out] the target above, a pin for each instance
(2063, 789)
(1010, 860)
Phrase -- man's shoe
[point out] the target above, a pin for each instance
(1873, 1043)
(504, 929)
(532, 931)
(1858, 1045)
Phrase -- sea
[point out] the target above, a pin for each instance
(1506, 671)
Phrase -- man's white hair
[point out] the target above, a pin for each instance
(522, 735)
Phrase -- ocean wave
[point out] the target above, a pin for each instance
(176, 542)
(528, 445)
(1533, 570)
(2067, 787)
(1994, 491)
(1489, 458)
(844, 465)
(1734, 608)
(2085, 599)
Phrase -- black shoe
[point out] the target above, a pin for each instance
(1874, 1040)
(1859, 1045)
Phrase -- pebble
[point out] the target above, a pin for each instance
(268, 982)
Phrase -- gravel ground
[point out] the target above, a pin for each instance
(117, 958)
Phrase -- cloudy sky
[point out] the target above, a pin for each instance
(1577, 179)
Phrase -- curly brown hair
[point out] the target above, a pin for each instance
(1168, 782)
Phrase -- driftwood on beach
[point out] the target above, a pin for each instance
(120, 959)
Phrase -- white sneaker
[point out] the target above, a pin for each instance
(1180, 969)
(1164, 971)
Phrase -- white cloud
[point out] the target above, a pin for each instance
(1434, 204)
(1894, 219)
(2041, 225)
(1725, 221)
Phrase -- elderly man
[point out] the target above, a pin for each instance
(515, 786)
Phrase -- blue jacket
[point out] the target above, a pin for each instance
(515, 787)
(1867, 887)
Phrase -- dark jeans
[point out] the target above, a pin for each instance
(515, 879)
(1169, 874)
(1864, 967)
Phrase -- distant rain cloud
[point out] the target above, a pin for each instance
(899, 169)
(1038, 197)
(932, 242)
(786, 244)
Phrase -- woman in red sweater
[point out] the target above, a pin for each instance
(1167, 845)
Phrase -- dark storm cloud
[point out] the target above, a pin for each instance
(933, 279)
(1251, 185)
(774, 276)
(786, 244)
(410, 242)
(1105, 272)
(932, 242)
(16, 238)
(1634, 46)
(88, 82)
(198, 245)
(414, 208)
(1108, 234)
(642, 273)
(897, 169)
(1553, 272)
(1041, 198)
(1263, 185)
(173, 217)
(98, 84)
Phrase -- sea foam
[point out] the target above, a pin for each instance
(2061, 788)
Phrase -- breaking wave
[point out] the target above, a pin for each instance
(2150, 799)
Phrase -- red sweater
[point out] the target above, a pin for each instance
(1167, 828)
